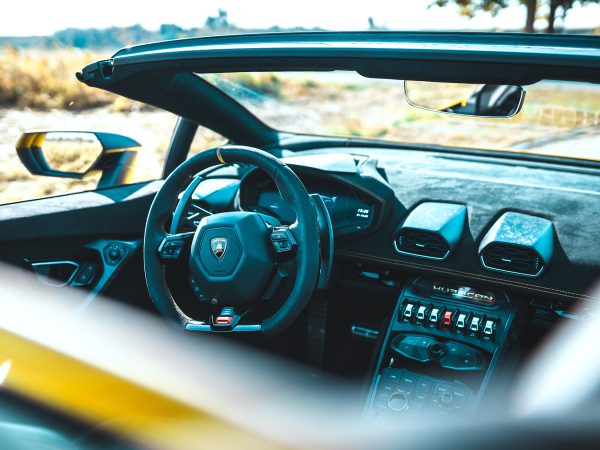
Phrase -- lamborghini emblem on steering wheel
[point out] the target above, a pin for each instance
(218, 247)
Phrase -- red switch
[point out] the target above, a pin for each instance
(447, 320)
(223, 320)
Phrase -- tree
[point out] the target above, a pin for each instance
(470, 7)
(219, 22)
(564, 6)
(531, 6)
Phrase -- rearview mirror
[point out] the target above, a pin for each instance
(475, 100)
(77, 154)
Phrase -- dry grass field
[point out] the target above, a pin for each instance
(38, 89)
(45, 80)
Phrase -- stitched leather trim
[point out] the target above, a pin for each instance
(220, 157)
(471, 275)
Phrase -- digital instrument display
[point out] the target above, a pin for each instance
(349, 214)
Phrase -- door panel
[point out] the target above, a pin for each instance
(99, 231)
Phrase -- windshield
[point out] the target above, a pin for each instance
(558, 118)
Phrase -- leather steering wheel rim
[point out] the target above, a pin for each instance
(305, 231)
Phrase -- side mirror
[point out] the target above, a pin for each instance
(77, 154)
(483, 100)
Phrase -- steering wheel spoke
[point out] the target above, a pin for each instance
(172, 245)
(185, 202)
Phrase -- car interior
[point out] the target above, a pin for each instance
(428, 275)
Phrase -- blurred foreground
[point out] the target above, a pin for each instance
(149, 384)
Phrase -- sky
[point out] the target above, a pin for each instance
(53, 15)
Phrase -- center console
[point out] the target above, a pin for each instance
(443, 345)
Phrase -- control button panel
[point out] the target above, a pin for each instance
(401, 391)
(414, 346)
(86, 274)
(171, 248)
(114, 252)
(282, 239)
(453, 320)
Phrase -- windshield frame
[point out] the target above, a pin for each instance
(161, 74)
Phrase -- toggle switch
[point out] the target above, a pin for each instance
(461, 321)
(489, 328)
(447, 320)
(421, 312)
(408, 311)
(475, 323)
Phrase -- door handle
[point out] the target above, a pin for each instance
(55, 273)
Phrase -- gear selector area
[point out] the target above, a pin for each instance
(449, 354)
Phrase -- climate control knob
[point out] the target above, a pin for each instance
(398, 402)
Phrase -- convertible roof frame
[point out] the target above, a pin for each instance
(162, 74)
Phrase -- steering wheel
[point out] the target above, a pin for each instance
(235, 258)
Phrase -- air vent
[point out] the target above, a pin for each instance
(422, 243)
(518, 244)
(431, 230)
(510, 258)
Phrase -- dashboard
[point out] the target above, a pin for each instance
(522, 226)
